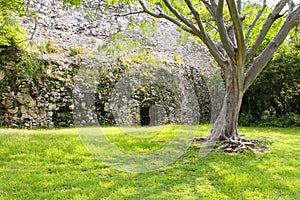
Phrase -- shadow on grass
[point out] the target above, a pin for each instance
(57, 166)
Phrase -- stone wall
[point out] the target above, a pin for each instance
(124, 88)
(49, 100)
(44, 89)
(40, 99)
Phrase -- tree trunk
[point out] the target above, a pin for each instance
(225, 126)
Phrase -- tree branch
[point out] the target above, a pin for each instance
(261, 11)
(204, 36)
(261, 61)
(208, 7)
(33, 32)
(196, 15)
(167, 17)
(239, 6)
(187, 25)
(218, 14)
(181, 17)
(129, 13)
(266, 27)
(238, 29)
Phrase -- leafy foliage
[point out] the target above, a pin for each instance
(48, 47)
(74, 50)
(249, 13)
(276, 91)
(31, 67)
(8, 6)
(11, 32)
(73, 2)
(288, 120)
(273, 99)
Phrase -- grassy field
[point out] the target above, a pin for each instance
(55, 164)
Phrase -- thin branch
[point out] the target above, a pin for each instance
(167, 17)
(210, 24)
(208, 7)
(130, 13)
(196, 15)
(33, 33)
(213, 4)
(202, 33)
(239, 6)
(266, 27)
(181, 17)
(261, 11)
(291, 6)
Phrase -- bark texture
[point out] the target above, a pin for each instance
(225, 126)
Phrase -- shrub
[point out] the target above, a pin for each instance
(289, 120)
(246, 119)
(276, 91)
(48, 47)
(76, 51)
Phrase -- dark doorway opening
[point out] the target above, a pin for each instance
(146, 113)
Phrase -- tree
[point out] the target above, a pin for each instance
(240, 59)
(239, 52)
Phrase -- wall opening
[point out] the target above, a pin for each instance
(148, 113)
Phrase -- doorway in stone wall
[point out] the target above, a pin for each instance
(148, 113)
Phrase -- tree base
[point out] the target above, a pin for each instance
(233, 146)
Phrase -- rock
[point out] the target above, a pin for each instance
(14, 125)
(228, 150)
(8, 88)
(52, 106)
(54, 91)
(15, 118)
(62, 124)
(83, 105)
(71, 107)
(9, 103)
(2, 75)
(32, 113)
(25, 99)
(13, 110)
(23, 109)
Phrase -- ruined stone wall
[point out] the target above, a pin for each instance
(64, 39)
(49, 101)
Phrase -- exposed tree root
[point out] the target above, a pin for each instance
(233, 146)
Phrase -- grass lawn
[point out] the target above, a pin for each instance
(55, 164)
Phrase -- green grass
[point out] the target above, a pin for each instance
(55, 164)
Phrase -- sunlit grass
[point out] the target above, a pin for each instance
(55, 164)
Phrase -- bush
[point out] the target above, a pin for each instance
(246, 119)
(289, 120)
(48, 47)
(75, 51)
(276, 91)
